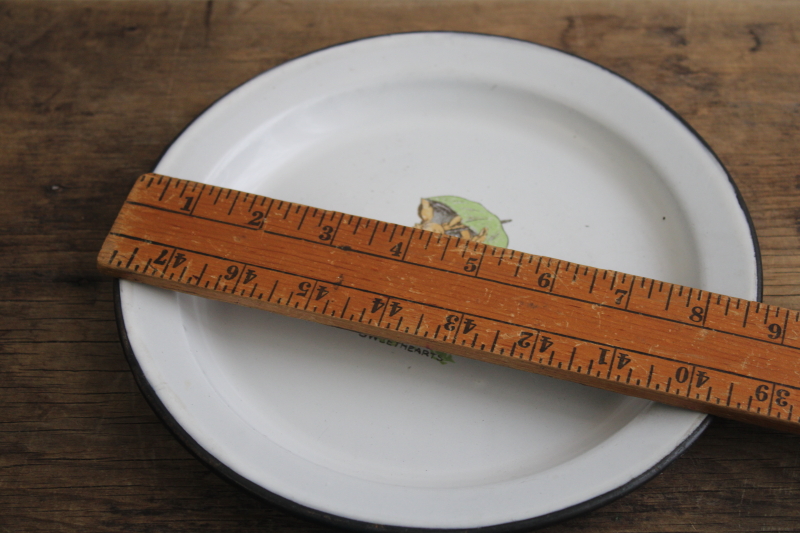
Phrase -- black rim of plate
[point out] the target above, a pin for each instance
(333, 520)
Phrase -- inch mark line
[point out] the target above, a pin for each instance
(409, 241)
(303, 218)
(130, 259)
(446, 243)
(705, 313)
(785, 325)
(164, 191)
(630, 292)
(480, 259)
(234, 203)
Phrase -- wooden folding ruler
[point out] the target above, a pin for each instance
(637, 336)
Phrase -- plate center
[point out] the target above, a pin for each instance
(563, 185)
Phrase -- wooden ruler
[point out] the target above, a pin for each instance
(637, 336)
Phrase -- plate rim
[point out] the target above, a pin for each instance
(298, 509)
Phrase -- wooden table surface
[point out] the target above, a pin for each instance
(91, 94)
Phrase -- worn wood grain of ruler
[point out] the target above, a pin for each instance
(669, 343)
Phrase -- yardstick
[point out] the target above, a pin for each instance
(669, 343)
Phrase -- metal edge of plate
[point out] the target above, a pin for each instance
(303, 511)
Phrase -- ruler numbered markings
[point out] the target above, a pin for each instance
(616, 331)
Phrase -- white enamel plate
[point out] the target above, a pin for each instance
(578, 163)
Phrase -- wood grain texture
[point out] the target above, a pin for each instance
(642, 337)
(92, 93)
